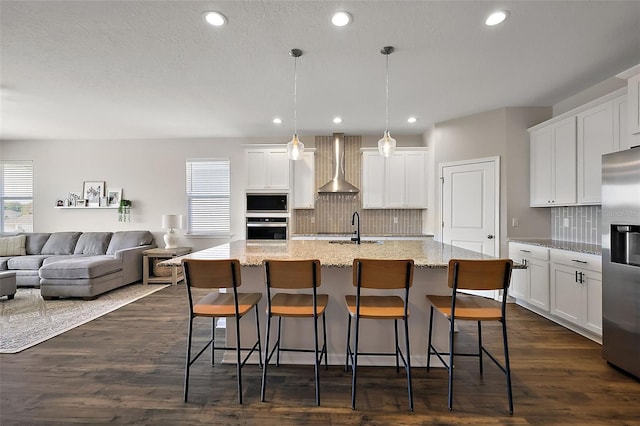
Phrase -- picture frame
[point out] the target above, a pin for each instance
(92, 190)
(81, 203)
(114, 195)
(73, 198)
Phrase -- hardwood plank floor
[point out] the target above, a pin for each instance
(128, 367)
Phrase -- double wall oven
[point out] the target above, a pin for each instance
(267, 216)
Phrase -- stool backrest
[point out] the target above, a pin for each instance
(292, 274)
(210, 273)
(489, 274)
(383, 273)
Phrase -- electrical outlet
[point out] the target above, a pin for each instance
(313, 219)
(514, 222)
(565, 222)
(395, 219)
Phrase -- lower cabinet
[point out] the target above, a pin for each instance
(576, 290)
(561, 285)
(530, 285)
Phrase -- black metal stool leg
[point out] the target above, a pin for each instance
(324, 341)
(451, 351)
(395, 330)
(507, 366)
(480, 346)
(316, 361)
(429, 339)
(238, 359)
(354, 365)
(408, 360)
(266, 360)
(348, 350)
(278, 342)
(188, 363)
(213, 341)
(258, 334)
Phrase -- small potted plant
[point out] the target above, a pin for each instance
(124, 211)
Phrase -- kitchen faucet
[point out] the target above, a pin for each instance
(357, 231)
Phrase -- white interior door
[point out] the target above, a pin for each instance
(470, 206)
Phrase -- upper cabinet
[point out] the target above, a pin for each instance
(395, 182)
(566, 151)
(304, 183)
(632, 76)
(267, 169)
(553, 164)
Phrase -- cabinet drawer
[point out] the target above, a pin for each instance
(518, 250)
(577, 260)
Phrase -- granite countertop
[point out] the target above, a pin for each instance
(425, 253)
(368, 236)
(561, 245)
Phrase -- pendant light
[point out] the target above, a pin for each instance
(295, 147)
(387, 144)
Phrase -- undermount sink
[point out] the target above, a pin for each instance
(353, 242)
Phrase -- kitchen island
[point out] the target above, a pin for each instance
(430, 277)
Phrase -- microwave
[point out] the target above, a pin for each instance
(267, 203)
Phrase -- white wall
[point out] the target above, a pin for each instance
(150, 172)
(503, 133)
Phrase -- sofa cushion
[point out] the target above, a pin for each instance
(81, 267)
(13, 246)
(93, 243)
(61, 243)
(26, 262)
(128, 239)
(59, 257)
(35, 241)
(3, 263)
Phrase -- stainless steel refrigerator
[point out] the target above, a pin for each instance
(621, 259)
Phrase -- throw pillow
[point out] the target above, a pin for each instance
(13, 246)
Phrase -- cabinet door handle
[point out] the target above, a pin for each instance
(525, 251)
(579, 261)
(576, 276)
(490, 237)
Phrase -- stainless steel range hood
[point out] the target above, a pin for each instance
(338, 184)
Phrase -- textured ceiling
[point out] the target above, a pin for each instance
(154, 69)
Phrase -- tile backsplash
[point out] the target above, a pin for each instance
(580, 224)
(333, 211)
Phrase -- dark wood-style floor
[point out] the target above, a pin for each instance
(127, 367)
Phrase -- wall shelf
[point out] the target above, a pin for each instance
(86, 207)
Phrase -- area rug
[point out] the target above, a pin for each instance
(28, 319)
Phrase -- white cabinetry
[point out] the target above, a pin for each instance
(304, 183)
(622, 139)
(576, 289)
(595, 137)
(553, 164)
(633, 99)
(397, 182)
(531, 285)
(267, 168)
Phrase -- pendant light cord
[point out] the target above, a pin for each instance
(295, 95)
(386, 125)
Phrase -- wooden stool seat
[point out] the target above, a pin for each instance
(376, 307)
(223, 304)
(297, 305)
(468, 307)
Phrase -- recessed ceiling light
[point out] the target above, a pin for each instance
(340, 19)
(412, 120)
(496, 17)
(216, 19)
(277, 120)
(337, 120)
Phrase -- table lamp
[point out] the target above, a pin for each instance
(170, 222)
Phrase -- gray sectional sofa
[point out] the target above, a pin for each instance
(78, 264)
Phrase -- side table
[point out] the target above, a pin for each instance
(148, 259)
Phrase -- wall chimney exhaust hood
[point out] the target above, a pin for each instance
(338, 184)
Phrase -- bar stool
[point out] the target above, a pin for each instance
(382, 275)
(295, 275)
(473, 275)
(219, 274)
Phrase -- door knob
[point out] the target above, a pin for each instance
(490, 236)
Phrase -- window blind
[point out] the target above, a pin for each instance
(16, 196)
(208, 197)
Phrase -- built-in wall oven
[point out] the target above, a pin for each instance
(267, 228)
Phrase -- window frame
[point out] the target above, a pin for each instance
(25, 197)
(211, 196)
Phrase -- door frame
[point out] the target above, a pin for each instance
(496, 165)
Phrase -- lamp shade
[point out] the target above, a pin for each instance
(171, 221)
